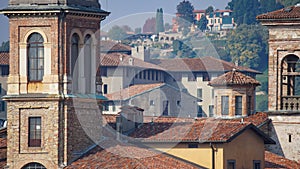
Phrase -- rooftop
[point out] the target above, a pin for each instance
(276, 161)
(204, 64)
(111, 46)
(234, 78)
(204, 130)
(119, 155)
(121, 59)
(292, 12)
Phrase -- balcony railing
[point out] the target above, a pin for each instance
(291, 103)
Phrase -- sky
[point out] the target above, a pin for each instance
(128, 12)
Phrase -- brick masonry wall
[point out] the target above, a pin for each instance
(19, 154)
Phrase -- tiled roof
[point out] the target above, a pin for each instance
(292, 12)
(4, 58)
(274, 161)
(204, 64)
(121, 59)
(234, 78)
(119, 155)
(132, 91)
(200, 130)
(110, 46)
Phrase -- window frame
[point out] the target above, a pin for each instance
(35, 64)
(35, 140)
(255, 162)
(231, 162)
(225, 107)
(238, 105)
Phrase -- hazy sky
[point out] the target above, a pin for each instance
(131, 12)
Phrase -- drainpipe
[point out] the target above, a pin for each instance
(213, 155)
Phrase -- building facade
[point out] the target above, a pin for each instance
(52, 58)
(284, 73)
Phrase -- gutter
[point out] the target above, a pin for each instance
(213, 155)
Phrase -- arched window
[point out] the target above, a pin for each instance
(74, 70)
(33, 166)
(35, 48)
(87, 62)
(289, 71)
(74, 52)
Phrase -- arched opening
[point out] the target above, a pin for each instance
(35, 55)
(87, 62)
(290, 83)
(34, 166)
(73, 61)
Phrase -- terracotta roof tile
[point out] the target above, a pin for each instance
(204, 129)
(274, 161)
(110, 46)
(121, 59)
(292, 12)
(234, 78)
(4, 58)
(119, 155)
(204, 64)
(132, 91)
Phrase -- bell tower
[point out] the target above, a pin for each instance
(54, 51)
(284, 79)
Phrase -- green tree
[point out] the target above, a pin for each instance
(247, 45)
(159, 21)
(185, 14)
(168, 26)
(245, 11)
(202, 23)
(209, 10)
(138, 30)
(287, 3)
(117, 33)
(4, 47)
(269, 5)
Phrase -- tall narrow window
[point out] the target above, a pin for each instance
(200, 111)
(87, 63)
(249, 98)
(74, 56)
(166, 108)
(35, 55)
(238, 105)
(35, 132)
(199, 93)
(225, 105)
(105, 89)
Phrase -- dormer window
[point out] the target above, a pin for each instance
(35, 46)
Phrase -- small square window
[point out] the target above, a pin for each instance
(230, 164)
(256, 164)
(193, 145)
(151, 102)
(178, 103)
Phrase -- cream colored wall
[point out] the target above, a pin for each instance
(201, 156)
(244, 149)
(207, 91)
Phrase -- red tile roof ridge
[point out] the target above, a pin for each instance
(273, 160)
(234, 77)
(291, 12)
(133, 90)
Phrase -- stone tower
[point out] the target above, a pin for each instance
(284, 79)
(53, 64)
